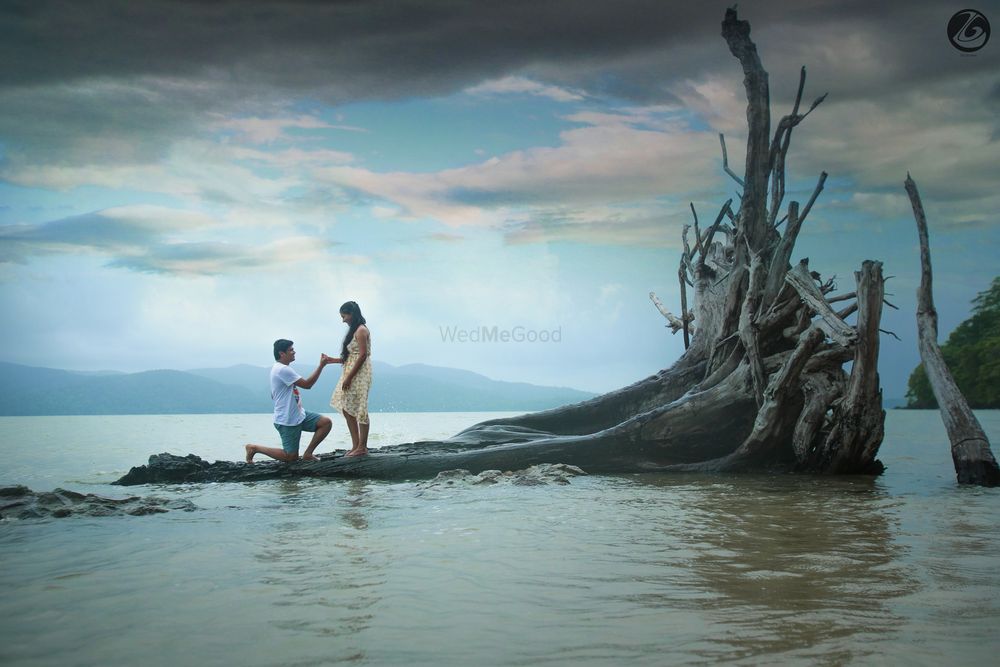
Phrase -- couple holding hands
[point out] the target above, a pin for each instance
(350, 397)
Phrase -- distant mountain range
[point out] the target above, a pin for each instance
(29, 391)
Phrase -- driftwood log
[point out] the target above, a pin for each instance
(970, 449)
(761, 384)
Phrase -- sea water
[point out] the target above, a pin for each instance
(608, 570)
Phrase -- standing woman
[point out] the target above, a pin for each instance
(351, 394)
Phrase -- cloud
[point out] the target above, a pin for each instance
(647, 226)
(121, 230)
(190, 169)
(610, 299)
(147, 239)
(718, 100)
(446, 238)
(244, 186)
(384, 48)
(940, 134)
(141, 78)
(515, 85)
(204, 320)
(216, 258)
(942, 130)
(96, 96)
(632, 154)
(99, 122)
(96, 85)
(373, 48)
(269, 130)
(290, 158)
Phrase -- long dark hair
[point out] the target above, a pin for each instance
(357, 319)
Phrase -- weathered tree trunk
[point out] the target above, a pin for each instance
(970, 449)
(761, 384)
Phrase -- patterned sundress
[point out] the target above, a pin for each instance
(354, 401)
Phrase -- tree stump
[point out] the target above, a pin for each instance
(970, 449)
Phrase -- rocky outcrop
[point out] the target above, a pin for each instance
(399, 462)
(172, 469)
(20, 502)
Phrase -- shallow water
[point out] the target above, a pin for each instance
(643, 569)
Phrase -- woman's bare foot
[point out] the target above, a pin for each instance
(357, 452)
(251, 450)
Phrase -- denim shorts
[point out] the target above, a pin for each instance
(290, 435)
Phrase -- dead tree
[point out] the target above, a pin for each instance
(761, 384)
(970, 449)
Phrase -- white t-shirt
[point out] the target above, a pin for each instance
(288, 410)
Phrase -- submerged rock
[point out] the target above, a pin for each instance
(168, 468)
(20, 502)
(536, 475)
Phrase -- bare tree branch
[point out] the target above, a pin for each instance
(697, 232)
(833, 326)
(725, 162)
(711, 232)
(674, 322)
(842, 297)
(812, 199)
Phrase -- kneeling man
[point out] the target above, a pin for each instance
(290, 418)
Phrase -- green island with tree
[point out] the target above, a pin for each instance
(972, 353)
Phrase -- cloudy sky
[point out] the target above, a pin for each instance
(183, 182)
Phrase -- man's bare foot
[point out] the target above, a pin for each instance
(251, 450)
(357, 452)
(310, 457)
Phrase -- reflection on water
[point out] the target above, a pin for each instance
(788, 564)
(355, 504)
(322, 577)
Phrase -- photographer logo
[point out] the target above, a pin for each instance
(968, 30)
